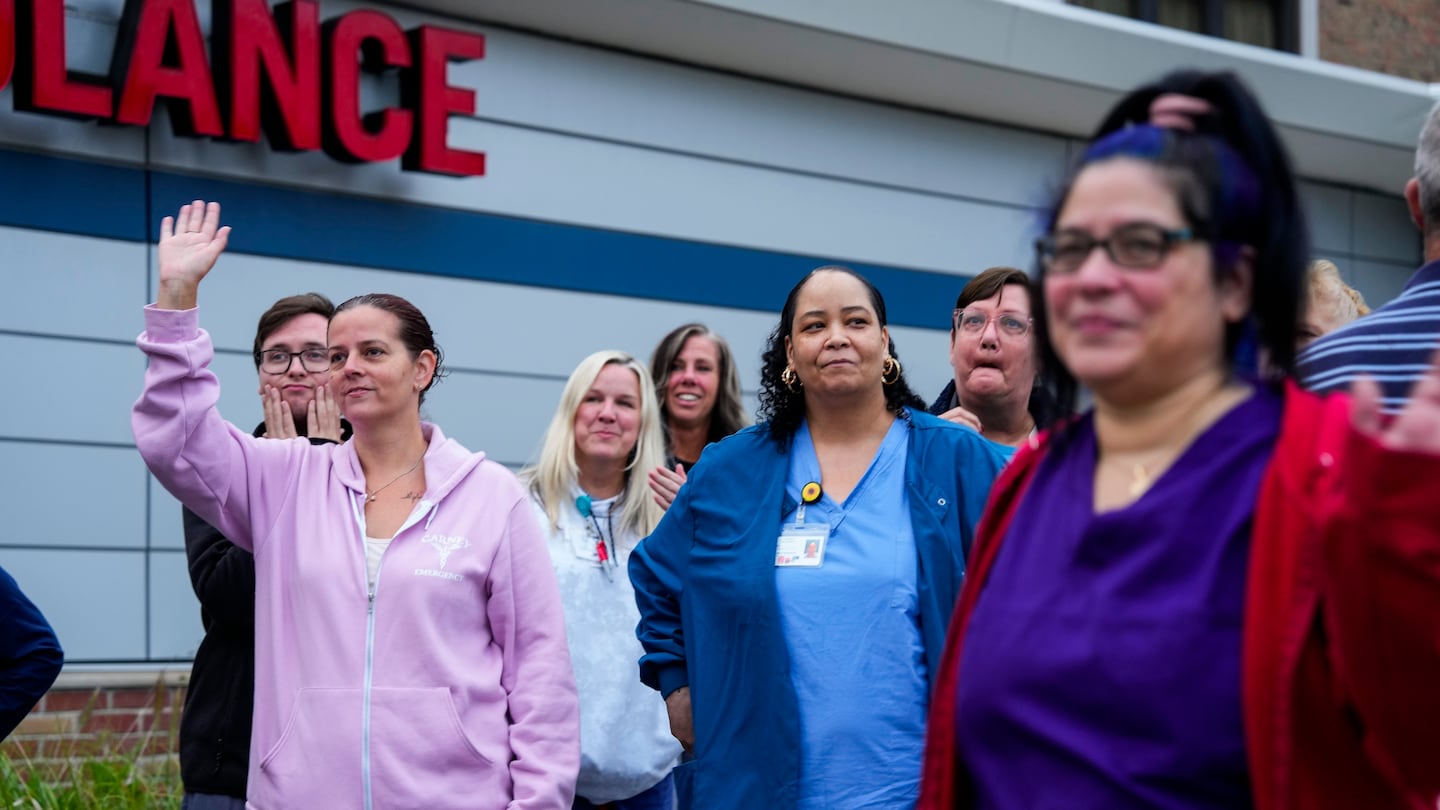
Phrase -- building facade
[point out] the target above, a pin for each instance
(646, 163)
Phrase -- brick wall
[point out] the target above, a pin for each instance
(135, 716)
(1399, 37)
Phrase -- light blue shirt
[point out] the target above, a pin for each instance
(1006, 451)
(851, 627)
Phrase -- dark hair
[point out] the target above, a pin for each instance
(1233, 182)
(285, 310)
(728, 414)
(414, 331)
(785, 409)
(1043, 395)
(989, 284)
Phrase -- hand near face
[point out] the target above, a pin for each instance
(323, 416)
(960, 416)
(1416, 429)
(190, 243)
(665, 483)
(279, 421)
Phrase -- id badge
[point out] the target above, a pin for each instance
(801, 545)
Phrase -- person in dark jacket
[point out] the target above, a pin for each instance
(293, 363)
(30, 655)
(998, 389)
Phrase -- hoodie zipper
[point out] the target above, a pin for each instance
(423, 508)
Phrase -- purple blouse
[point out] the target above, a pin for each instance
(1102, 664)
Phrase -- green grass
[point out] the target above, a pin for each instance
(100, 773)
(109, 783)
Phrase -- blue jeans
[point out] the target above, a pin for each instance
(210, 801)
(660, 797)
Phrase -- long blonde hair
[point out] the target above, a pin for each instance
(557, 470)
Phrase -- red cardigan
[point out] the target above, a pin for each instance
(1341, 654)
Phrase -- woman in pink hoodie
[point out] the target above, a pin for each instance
(410, 645)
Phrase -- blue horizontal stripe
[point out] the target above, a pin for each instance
(83, 197)
(72, 196)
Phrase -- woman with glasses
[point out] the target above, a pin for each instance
(995, 389)
(1208, 591)
(409, 642)
(588, 490)
(293, 364)
(793, 601)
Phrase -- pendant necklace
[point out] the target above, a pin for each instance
(1141, 478)
(371, 494)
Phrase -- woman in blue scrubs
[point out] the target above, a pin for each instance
(794, 599)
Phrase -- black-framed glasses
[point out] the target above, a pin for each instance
(973, 322)
(1139, 245)
(278, 361)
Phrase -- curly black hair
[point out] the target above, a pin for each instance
(783, 408)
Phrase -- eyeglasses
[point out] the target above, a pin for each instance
(973, 322)
(277, 361)
(1140, 246)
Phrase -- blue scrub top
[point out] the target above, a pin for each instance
(857, 658)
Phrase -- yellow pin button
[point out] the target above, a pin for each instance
(810, 493)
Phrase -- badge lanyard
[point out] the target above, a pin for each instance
(801, 544)
(605, 541)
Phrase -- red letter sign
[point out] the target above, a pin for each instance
(281, 72)
(379, 136)
(7, 41)
(154, 63)
(44, 85)
(246, 41)
(425, 90)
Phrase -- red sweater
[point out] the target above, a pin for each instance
(1341, 656)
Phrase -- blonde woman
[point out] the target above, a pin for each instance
(1331, 304)
(589, 493)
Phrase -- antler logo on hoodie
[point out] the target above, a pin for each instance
(445, 544)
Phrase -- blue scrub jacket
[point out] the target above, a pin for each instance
(709, 615)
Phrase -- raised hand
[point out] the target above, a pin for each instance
(322, 420)
(1177, 111)
(665, 483)
(1416, 429)
(190, 242)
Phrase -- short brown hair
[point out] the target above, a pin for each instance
(989, 284)
(286, 309)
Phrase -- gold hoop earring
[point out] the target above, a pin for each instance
(791, 379)
(890, 372)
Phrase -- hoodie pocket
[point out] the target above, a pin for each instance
(316, 761)
(421, 755)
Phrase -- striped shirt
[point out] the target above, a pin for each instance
(1394, 345)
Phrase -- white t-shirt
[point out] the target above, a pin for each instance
(374, 550)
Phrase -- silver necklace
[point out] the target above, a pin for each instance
(371, 494)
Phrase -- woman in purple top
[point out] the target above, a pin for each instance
(1113, 644)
